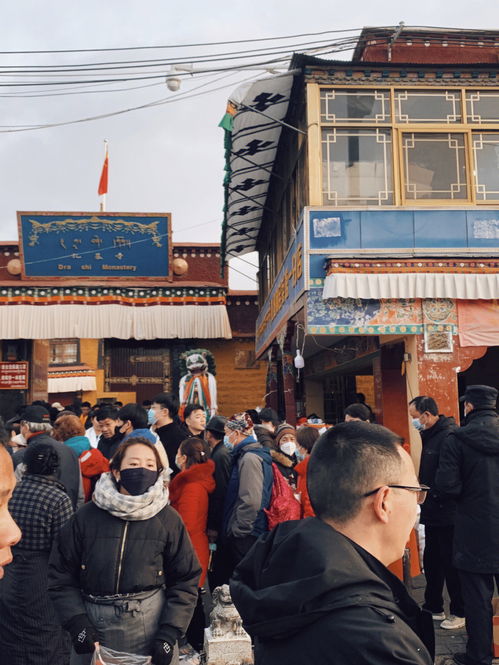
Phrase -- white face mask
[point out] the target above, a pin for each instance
(19, 440)
(288, 447)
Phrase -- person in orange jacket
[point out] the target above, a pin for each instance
(189, 495)
(305, 440)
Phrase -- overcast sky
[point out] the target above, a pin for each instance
(164, 159)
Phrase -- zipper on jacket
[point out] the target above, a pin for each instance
(120, 559)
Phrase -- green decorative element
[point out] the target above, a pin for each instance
(365, 330)
(82, 292)
(227, 122)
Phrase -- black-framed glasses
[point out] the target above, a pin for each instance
(422, 491)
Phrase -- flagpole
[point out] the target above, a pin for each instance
(103, 196)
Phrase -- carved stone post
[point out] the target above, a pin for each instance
(225, 640)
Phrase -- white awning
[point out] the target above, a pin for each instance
(101, 321)
(381, 286)
(71, 384)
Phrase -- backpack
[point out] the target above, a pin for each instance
(283, 504)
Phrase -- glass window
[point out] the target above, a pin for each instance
(64, 352)
(357, 166)
(434, 165)
(428, 106)
(486, 166)
(355, 106)
(482, 106)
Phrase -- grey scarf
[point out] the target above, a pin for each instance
(127, 507)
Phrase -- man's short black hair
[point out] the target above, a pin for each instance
(106, 412)
(423, 403)
(86, 404)
(347, 461)
(189, 408)
(167, 401)
(268, 415)
(135, 413)
(358, 410)
(146, 403)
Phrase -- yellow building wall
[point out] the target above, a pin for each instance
(237, 389)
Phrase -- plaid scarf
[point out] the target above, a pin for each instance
(128, 507)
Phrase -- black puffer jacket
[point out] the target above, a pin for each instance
(438, 509)
(100, 555)
(469, 471)
(309, 595)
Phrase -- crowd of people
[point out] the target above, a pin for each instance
(124, 518)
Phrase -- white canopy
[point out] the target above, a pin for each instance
(381, 286)
(98, 322)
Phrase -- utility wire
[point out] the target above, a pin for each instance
(171, 46)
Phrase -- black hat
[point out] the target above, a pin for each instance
(35, 414)
(216, 424)
(480, 396)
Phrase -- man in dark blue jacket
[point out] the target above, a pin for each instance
(469, 472)
(438, 514)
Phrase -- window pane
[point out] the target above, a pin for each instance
(355, 106)
(357, 166)
(486, 157)
(428, 106)
(434, 166)
(63, 352)
(482, 106)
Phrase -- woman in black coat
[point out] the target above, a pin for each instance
(124, 573)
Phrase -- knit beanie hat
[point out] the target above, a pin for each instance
(283, 429)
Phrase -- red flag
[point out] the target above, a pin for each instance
(103, 176)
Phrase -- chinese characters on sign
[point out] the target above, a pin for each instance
(95, 244)
(14, 375)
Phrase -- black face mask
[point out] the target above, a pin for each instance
(138, 480)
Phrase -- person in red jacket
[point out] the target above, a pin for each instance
(189, 493)
(305, 440)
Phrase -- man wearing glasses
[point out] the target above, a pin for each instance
(318, 590)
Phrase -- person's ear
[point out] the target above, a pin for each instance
(381, 504)
(116, 475)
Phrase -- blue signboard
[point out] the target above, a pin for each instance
(89, 245)
(288, 286)
(403, 229)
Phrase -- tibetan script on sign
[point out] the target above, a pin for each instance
(94, 244)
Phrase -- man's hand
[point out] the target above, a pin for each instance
(83, 634)
(162, 653)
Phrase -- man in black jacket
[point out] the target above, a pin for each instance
(438, 515)
(469, 472)
(214, 436)
(111, 436)
(167, 426)
(318, 590)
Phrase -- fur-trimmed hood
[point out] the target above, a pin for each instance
(281, 458)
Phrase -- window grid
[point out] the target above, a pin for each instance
(466, 126)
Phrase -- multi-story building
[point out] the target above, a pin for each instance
(370, 189)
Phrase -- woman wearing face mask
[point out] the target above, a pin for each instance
(189, 495)
(283, 452)
(124, 572)
(305, 441)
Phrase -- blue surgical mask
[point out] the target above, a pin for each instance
(299, 455)
(151, 416)
(417, 424)
(227, 443)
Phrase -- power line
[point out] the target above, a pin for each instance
(172, 46)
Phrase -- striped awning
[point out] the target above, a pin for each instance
(71, 378)
(381, 286)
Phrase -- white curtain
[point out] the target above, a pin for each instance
(378, 286)
(98, 322)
